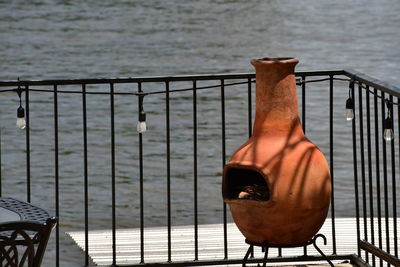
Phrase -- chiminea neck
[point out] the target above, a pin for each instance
(276, 97)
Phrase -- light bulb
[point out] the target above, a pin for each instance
(141, 126)
(388, 131)
(349, 114)
(21, 123)
(349, 109)
(388, 135)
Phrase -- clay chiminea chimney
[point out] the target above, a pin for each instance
(277, 184)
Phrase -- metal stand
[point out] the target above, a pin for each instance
(265, 247)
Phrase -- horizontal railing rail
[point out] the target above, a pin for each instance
(170, 159)
(200, 77)
(372, 82)
(379, 253)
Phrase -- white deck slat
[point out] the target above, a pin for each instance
(210, 242)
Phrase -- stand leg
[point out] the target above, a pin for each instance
(265, 247)
(314, 242)
(265, 250)
(249, 251)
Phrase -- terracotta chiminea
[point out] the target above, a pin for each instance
(277, 184)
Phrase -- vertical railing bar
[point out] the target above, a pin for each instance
(85, 163)
(393, 167)
(303, 118)
(371, 190)
(377, 160)
(56, 174)
(249, 107)
(114, 245)
(196, 243)
(223, 164)
(167, 99)
(303, 103)
(355, 173)
(1, 176)
(394, 186)
(141, 185)
(362, 156)
(331, 163)
(28, 145)
(249, 121)
(385, 178)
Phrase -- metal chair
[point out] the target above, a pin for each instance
(23, 243)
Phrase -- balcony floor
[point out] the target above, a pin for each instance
(210, 243)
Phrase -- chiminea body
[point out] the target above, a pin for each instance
(277, 184)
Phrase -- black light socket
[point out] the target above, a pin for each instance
(142, 116)
(387, 123)
(349, 103)
(20, 112)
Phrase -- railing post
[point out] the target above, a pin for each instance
(355, 167)
(196, 242)
(362, 158)
(28, 145)
(85, 173)
(114, 248)
(394, 184)
(223, 164)
(377, 168)
(56, 174)
(369, 162)
(1, 165)
(385, 175)
(141, 181)
(167, 100)
(331, 163)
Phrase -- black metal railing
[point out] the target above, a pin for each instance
(79, 142)
(375, 157)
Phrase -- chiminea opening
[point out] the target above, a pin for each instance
(245, 183)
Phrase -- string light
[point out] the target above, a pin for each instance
(387, 125)
(349, 105)
(21, 123)
(141, 125)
